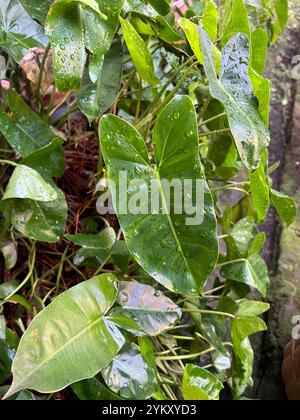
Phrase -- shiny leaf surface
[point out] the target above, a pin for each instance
(70, 340)
(200, 384)
(187, 253)
(129, 375)
(233, 88)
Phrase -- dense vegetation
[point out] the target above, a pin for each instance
(133, 306)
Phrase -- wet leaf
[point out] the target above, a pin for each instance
(93, 390)
(243, 234)
(139, 52)
(25, 182)
(94, 99)
(151, 309)
(188, 251)
(200, 384)
(18, 31)
(37, 9)
(251, 271)
(97, 246)
(129, 375)
(234, 90)
(243, 326)
(46, 360)
(25, 131)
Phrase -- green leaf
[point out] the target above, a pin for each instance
(257, 243)
(6, 357)
(260, 191)
(70, 340)
(129, 375)
(25, 182)
(243, 233)
(200, 384)
(37, 9)
(93, 390)
(74, 26)
(151, 309)
(285, 206)
(64, 27)
(20, 396)
(25, 131)
(243, 327)
(98, 246)
(18, 31)
(251, 271)
(236, 20)
(251, 308)
(187, 253)
(99, 34)
(8, 246)
(192, 32)
(233, 88)
(139, 52)
(162, 6)
(41, 221)
(94, 99)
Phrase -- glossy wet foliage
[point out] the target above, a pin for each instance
(152, 304)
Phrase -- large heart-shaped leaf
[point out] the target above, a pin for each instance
(174, 251)
(18, 31)
(130, 376)
(70, 340)
(200, 384)
(152, 310)
(25, 131)
(251, 271)
(234, 90)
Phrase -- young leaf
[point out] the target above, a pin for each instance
(251, 271)
(200, 384)
(187, 254)
(129, 375)
(139, 52)
(285, 206)
(18, 32)
(152, 310)
(192, 33)
(233, 88)
(25, 182)
(70, 340)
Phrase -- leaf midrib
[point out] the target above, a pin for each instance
(41, 365)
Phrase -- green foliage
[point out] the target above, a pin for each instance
(186, 100)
